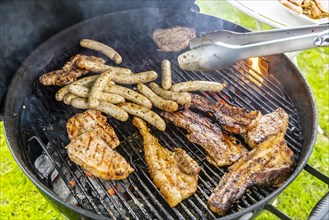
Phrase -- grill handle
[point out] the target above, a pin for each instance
(320, 210)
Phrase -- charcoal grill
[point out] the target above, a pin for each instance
(35, 121)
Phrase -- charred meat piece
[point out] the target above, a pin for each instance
(270, 127)
(70, 72)
(92, 120)
(174, 173)
(261, 166)
(232, 119)
(93, 154)
(221, 149)
(173, 39)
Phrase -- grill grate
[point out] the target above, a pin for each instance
(44, 120)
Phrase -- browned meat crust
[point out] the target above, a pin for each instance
(173, 39)
(93, 154)
(69, 73)
(221, 149)
(92, 120)
(270, 127)
(232, 119)
(261, 166)
(174, 173)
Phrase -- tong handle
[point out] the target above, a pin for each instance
(236, 38)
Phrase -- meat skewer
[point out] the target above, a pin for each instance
(221, 149)
(174, 173)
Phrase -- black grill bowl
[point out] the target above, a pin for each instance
(33, 118)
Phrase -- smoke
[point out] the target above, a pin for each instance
(26, 24)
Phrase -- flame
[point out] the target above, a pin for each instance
(257, 70)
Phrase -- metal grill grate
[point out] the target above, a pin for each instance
(44, 119)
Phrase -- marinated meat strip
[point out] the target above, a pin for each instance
(232, 119)
(70, 72)
(269, 165)
(174, 173)
(92, 120)
(221, 149)
(270, 127)
(173, 39)
(93, 154)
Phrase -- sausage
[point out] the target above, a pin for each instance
(166, 74)
(190, 86)
(100, 47)
(96, 90)
(129, 95)
(105, 107)
(68, 98)
(144, 113)
(99, 67)
(83, 92)
(142, 77)
(86, 81)
(179, 97)
(156, 100)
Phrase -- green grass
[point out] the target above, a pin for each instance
(19, 198)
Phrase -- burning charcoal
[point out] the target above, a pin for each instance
(45, 167)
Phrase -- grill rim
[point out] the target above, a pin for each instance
(11, 120)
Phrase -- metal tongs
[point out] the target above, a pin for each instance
(215, 50)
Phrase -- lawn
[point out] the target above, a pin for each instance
(19, 198)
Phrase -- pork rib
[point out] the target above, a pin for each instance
(261, 166)
(232, 119)
(221, 149)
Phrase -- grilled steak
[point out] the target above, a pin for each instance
(221, 149)
(232, 119)
(69, 72)
(174, 173)
(93, 154)
(261, 166)
(92, 120)
(269, 127)
(173, 39)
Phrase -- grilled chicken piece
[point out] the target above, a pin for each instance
(221, 149)
(174, 173)
(70, 72)
(270, 127)
(93, 154)
(173, 39)
(261, 166)
(92, 120)
(232, 119)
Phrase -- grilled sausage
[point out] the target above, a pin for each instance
(86, 81)
(179, 97)
(166, 74)
(105, 107)
(156, 100)
(129, 95)
(100, 47)
(68, 98)
(144, 113)
(99, 67)
(142, 77)
(83, 92)
(96, 90)
(197, 86)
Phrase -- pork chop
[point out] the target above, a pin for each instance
(92, 120)
(173, 39)
(174, 173)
